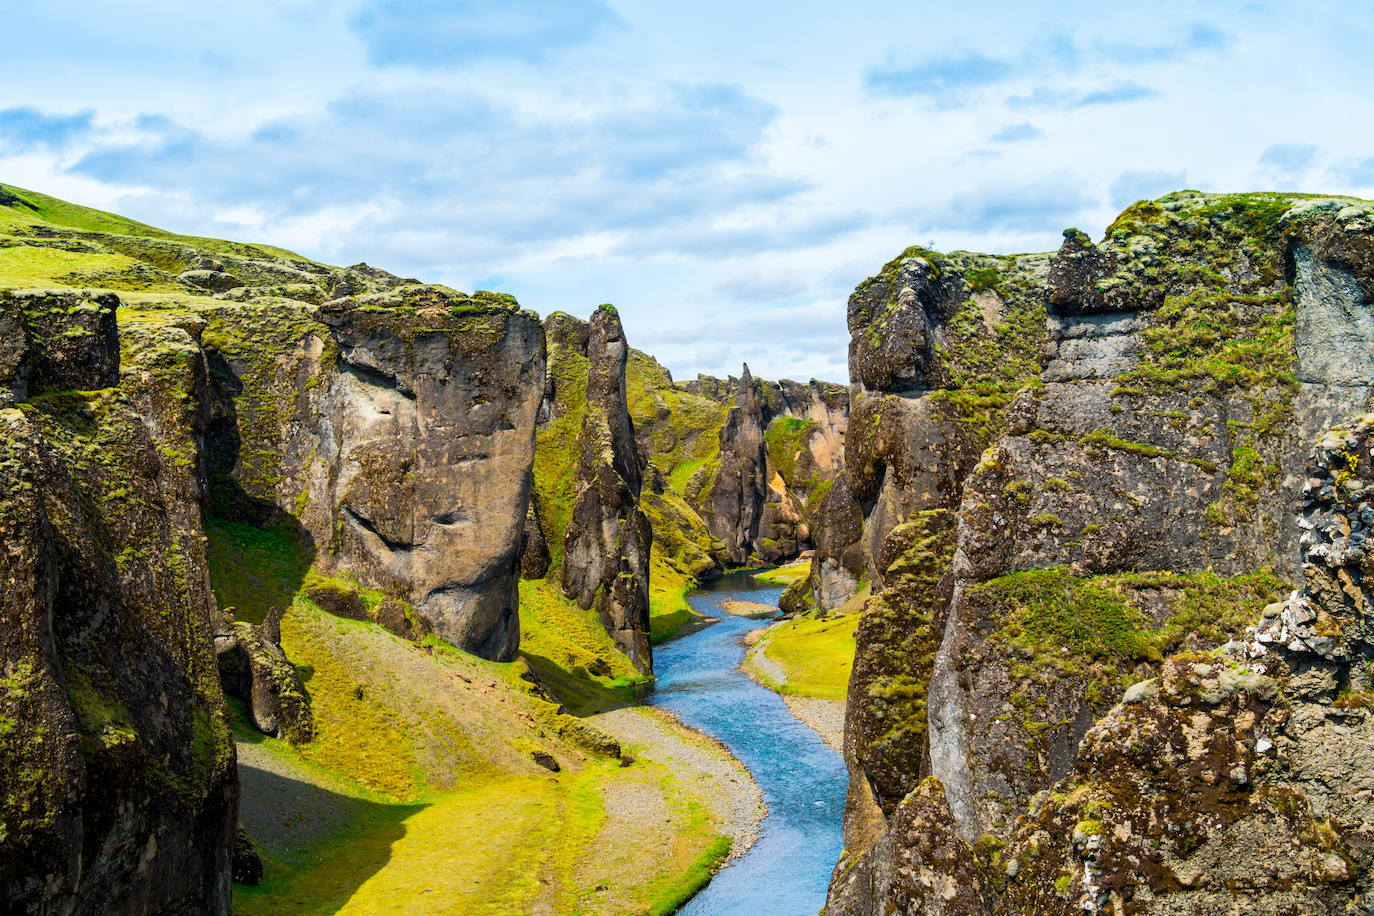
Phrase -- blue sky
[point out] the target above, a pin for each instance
(723, 172)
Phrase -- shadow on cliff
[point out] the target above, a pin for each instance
(321, 845)
(259, 554)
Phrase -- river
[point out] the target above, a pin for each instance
(803, 779)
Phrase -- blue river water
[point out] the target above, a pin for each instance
(803, 779)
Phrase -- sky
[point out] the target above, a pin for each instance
(724, 173)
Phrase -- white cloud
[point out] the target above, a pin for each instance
(725, 173)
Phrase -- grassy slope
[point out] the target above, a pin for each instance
(20, 208)
(815, 655)
(422, 757)
(785, 575)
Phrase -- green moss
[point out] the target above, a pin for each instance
(564, 644)
(1048, 611)
(254, 569)
(556, 448)
(785, 438)
(1104, 438)
(899, 639)
(681, 431)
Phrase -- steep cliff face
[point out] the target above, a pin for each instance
(117, 785)
(398, 428)
(741, 485)
(1133, 504)
(606, 550)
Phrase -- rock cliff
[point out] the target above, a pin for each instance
(606, 548)
(397, 429)
(1045, 529)
(117, 785)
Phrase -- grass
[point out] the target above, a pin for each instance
(669, 610)
(785, 575)
(31, 208)
(253, 569)
(815, 655)
(563, 644)
(33, 266)
(423, 753)
(513, 845)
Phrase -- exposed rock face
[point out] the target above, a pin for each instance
(59, 340)
(1237, 779)
(695, 509)
(534, 550)
(781, 447)
(1134, 503)
(606, 551)
(399, 429)
(117, 784)
(741, 488)
(838, 567)
(435, 443)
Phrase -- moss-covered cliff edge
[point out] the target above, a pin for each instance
(1063, 470)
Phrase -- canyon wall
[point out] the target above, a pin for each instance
(117, 785)
(1107, 500)
(395, 429)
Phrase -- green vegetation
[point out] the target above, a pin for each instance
(422, 758)
(1066, 620)
(254, 569)
(20, 208)
(899, 642)
(786, 437)
(556, 450)
(785, 575)
(814, 655)
(394, 858)
(681, 430)
(570, 651)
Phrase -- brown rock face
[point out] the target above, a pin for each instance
(118, 792)
(606, 550)
(398, 428)
(435, 439)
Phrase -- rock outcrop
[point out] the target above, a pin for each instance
(1134, 503)
(606, 549)
(398, 427)
(741, 485)
(117, 784)
(253, 668)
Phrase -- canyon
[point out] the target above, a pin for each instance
(302, 560)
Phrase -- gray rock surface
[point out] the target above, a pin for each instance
(1148, 476)
(398, 427)
(606, 551)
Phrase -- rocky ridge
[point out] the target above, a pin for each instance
(606, 548)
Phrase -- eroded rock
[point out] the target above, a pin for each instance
(606, 551)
